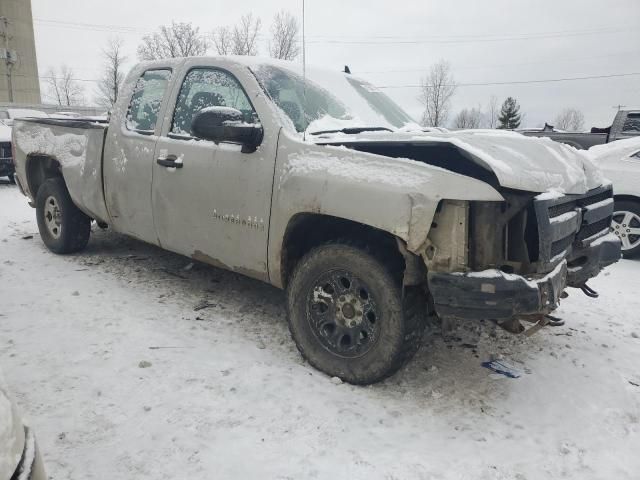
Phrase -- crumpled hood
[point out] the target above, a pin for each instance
(523, 163)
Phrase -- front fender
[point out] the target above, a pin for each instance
(398, 196)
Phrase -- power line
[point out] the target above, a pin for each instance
(479, 39)
(377, 39)
(519, 64)
(48, 77)
(512, 82)
(521, 82)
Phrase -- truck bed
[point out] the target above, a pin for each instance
(76, 145)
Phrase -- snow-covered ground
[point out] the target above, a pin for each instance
(122, 378)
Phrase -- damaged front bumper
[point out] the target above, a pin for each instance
(493, 294)
(586, 262)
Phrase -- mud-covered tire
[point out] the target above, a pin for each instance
(12, 178)
(399, 320)
(63, 227)
(625, 210)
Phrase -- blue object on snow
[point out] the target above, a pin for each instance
(502, 368)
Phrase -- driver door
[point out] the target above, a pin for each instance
(212, 202)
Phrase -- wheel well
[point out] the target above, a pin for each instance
(39, 169)
(306, 231)
(628, 198)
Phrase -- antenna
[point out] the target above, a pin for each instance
(304, 75)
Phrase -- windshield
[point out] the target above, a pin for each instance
(334, 101)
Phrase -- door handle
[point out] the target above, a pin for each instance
(170, 162)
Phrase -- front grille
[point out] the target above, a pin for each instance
(594, 228)
(598, 197)
(557, 210)
(561, 245)
(559, 231)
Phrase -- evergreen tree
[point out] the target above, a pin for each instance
(509, 117)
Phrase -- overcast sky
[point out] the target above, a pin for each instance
(392, 44)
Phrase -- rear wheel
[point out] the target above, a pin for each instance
(348, 316)
(626, 225)
(63, 227)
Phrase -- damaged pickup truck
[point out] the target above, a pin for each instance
(322, 186)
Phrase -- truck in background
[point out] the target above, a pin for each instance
(626, 124)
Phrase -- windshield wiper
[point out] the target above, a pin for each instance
(353, 130)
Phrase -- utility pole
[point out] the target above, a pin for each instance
(8, 56)
(619, 107)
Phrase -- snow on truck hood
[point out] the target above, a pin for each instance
(522, 163)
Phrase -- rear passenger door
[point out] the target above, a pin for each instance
(129, 156)
(215, 207)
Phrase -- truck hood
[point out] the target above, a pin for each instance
(502, 158)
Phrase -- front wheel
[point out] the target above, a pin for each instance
(626, 225)
(348, 316)
(63, 227)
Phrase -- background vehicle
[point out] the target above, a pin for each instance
(7, 116)
(19, 459)
(626, 124)
(6, 157)
(620, 163)
(325, 187)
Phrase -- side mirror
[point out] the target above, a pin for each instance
(225, 124)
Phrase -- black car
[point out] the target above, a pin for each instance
(6, 161)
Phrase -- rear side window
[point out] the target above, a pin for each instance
(142, 115)
(207, 87)
(632, 123)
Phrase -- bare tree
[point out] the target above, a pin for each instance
(284, 36)
(113, 74)
(491, 115)
(468, 118)
(437, 88)
(223, 40)
(63, 88)
(245, 35)
(175, 40)
(570, 119)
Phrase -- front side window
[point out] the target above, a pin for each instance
(206, 87)
(144, 107)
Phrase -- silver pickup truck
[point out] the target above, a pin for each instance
(322, 186)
